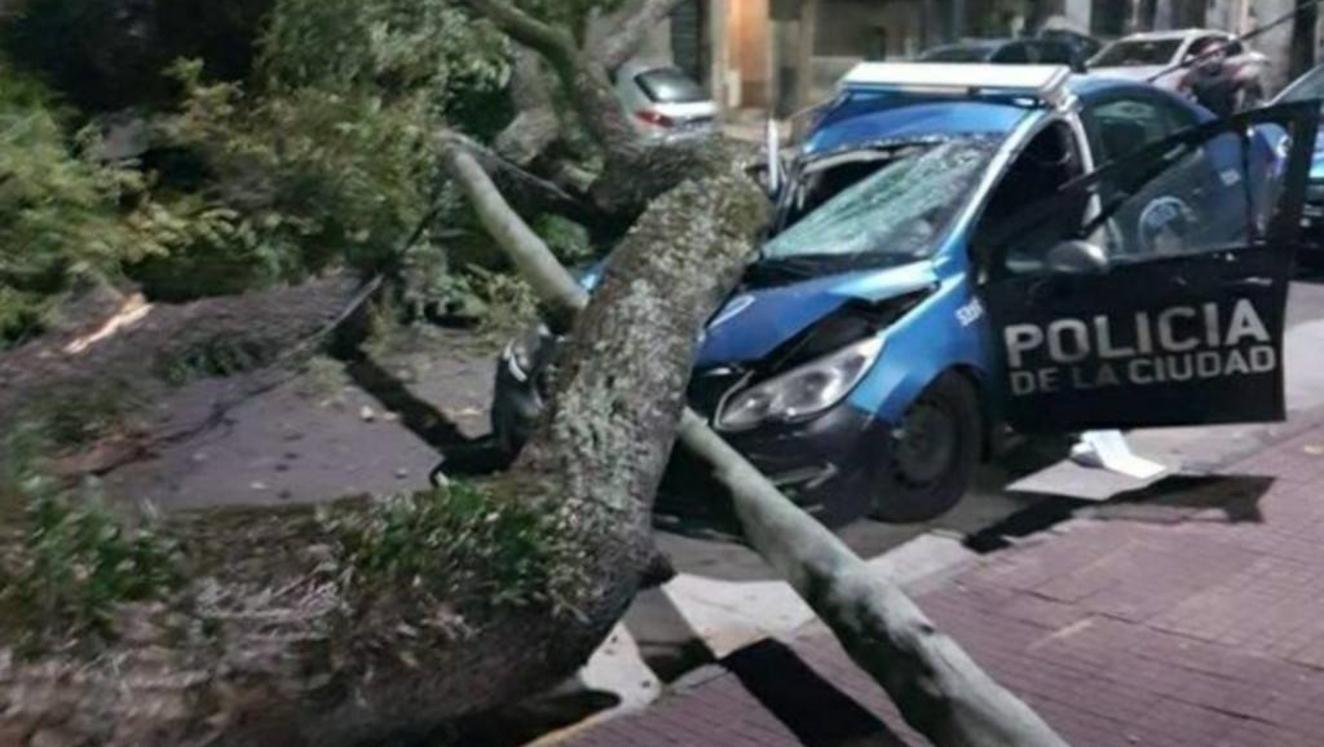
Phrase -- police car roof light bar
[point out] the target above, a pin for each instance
(1043, 83)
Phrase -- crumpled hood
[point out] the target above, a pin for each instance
(754, 323)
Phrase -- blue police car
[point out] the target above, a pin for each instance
(962, 249)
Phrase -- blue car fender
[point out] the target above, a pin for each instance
(948, 330)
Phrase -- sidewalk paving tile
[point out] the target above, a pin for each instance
(1208, 632)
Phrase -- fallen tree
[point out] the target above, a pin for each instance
(370, 619)
(938, 688)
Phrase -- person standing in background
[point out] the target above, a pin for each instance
(1212, 82)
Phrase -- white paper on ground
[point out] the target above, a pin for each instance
(1109, 450)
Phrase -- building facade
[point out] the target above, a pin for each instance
(748, 52)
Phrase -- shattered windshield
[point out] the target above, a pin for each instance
(891, 203)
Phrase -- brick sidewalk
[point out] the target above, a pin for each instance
(1194, 618)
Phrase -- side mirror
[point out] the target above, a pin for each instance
(1077, 258)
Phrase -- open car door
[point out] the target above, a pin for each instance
(1153, 291)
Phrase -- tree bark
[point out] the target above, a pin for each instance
(938, 688)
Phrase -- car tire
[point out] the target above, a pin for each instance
(921, 481)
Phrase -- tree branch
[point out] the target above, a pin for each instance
(529, 193)
(585, 81)
(556, 44)
(536, 124)
(938, 688)
(618, 46)
(524, 248)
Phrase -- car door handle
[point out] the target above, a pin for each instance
(1256, 283)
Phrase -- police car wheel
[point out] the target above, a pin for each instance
(933, 454)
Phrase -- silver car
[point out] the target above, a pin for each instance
(665, 103)
(1157, 56)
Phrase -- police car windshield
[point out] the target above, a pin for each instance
(890, 204)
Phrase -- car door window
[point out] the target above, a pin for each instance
(1048, 162)
(1197, 197)
(1053, 53)
(1017, 53)
(1208, 197)
(1123, 125)
(1166, 305)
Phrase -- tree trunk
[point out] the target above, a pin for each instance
(938, 688)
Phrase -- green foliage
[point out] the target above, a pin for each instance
(324, 155)
(568, 240)
(329, 158)
(59, 213)
(73, 418)
(394, 48)
(310, 177)
(462, 543)
(221, 355)
(75, 562)
(509, 305)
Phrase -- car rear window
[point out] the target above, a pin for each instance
(1053, 53)
(1137, 53)
(670, 86)
(956, 54)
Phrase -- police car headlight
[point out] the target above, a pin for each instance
(521, 353)
(803, 391)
